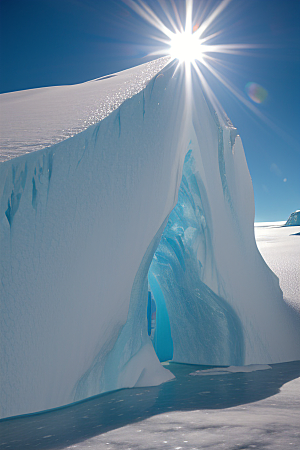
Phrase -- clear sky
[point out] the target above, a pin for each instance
(55, 42)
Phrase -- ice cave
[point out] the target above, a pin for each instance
(126, 240)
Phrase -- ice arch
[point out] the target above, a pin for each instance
(193, 323)
(79, 225)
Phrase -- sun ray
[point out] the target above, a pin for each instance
(229, 86)
(209, 92)
(237, 94)
(179, 23)
(221, 63)
(211, 36)
(188, 44)
(220, 8)
(165, 9)
(189, 17)
(234, 49)
(184, 42)
(146, 12)
(201, 12)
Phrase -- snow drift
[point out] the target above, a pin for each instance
(159, 183)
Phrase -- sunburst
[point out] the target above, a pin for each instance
(189, 43)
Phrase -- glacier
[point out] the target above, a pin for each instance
(149, 193)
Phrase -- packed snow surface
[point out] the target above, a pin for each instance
(160, 183)
(280, 248)
(33, 119)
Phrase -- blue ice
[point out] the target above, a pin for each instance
(193, 323)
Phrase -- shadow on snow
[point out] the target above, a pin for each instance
(62, 427)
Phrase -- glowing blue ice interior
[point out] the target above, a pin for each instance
(170, 302)
(193, 323)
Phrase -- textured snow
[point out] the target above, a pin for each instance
(33, 119)
(270, 423)
(280, 248)
(161, 176)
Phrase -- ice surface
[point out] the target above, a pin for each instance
(80, 223)
(232, 369)
(258, 409)
(182, 263)
(294, 219)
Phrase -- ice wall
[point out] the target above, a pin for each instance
(80, 223)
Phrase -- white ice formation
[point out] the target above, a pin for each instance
(294, 219)
(161, 183)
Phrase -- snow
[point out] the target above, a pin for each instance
(257, 409)
(33, 119)
(81, 221)
(280, 248)
(144, 364)
(278, 223)
(271, 423)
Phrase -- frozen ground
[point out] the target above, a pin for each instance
(228, 411)
(233, 411)
(280, 248)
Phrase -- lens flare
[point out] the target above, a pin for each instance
(256, 92)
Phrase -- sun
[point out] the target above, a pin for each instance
(190, 41)
(185, 47)
(185, 42)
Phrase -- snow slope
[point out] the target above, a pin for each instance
(80, 223)
(280, 248)
(37, 118)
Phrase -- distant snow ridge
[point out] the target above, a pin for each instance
(161, 183)
(294, 219)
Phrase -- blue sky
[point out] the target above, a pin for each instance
(54, 42)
